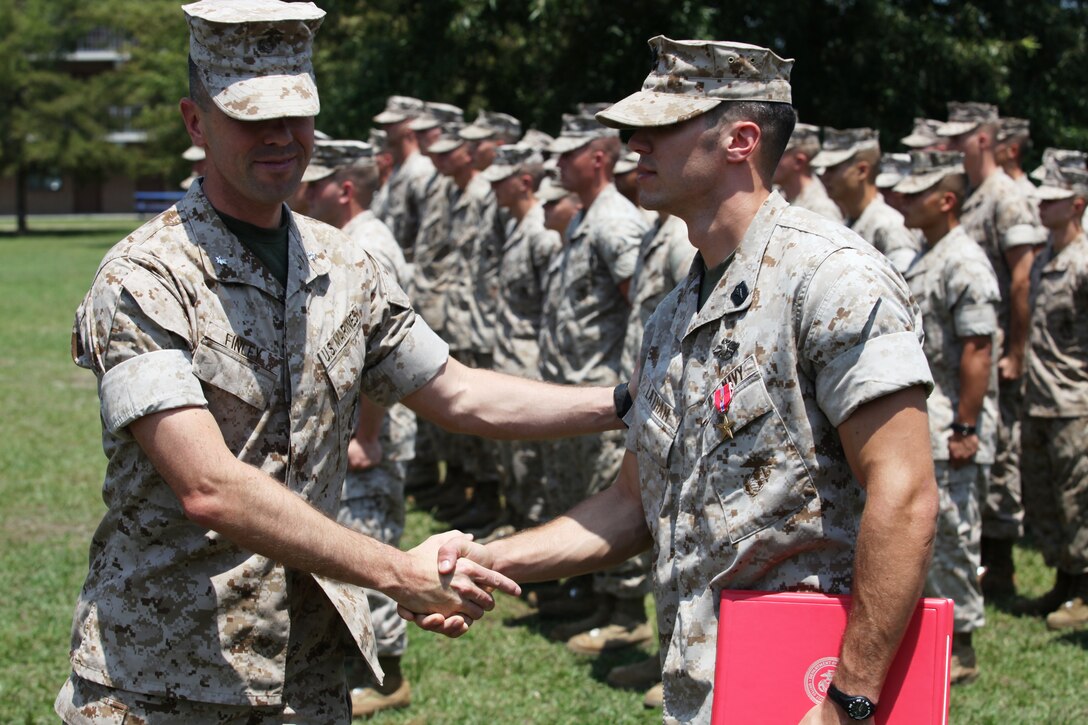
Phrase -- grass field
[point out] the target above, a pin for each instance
(50, 475)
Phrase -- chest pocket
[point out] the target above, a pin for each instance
(342, 358)
(231, 363)
(757, 476)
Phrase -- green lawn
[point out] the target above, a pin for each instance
(50, 475)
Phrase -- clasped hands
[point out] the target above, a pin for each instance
(449, 597)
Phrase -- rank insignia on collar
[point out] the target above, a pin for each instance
(723, 396)
(220, 260)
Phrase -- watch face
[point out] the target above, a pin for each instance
(859, 709)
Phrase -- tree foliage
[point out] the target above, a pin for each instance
(858, 63)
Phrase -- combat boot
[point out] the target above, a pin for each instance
(1072, 614)
(997, 579)
(655, 697)
(1049, 602)
(636, 676)
(394, 693)
(964, 667)
(626, 625)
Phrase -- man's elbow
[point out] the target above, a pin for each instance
(923, 507)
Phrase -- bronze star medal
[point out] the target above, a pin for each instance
(723, 396)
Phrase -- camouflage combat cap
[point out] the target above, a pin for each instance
(437, 114)
(491, 124)
(194, 154)
(804, 134)
(924, 134)
(842, 145)
(448, 141)
(255, 56)
(399, 108)
(537, 139)
(509, 158)
(1064, 174)
(929, 167)
(577, 131)
(690, 77)
(626, 163)
(328, 156)
(1061, 158)
(966, 117)
(1010, 128)
(893, 169)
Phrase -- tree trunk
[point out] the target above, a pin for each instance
(20, 200)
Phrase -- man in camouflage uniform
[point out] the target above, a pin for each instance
(1004, 222)
(342, 178)
(1055, 424)
(893, 169)
(526, 254)
(473, 242)
(232, 341)
(1013, 143)
(435, 118)
(756, 409)
(849, 164)
(402, 211)
(795, 178)
(581, 342)
(956, 288)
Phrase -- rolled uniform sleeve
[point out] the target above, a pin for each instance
(403, 352)
(973, 289)
(133, 333)
(860, 334)
(1017, 222)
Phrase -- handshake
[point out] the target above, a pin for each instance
(449, 584)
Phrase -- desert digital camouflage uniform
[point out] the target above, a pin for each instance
(999, 216)
(433, 267)
(956, 289)
(181, 314)
(373, 500)
(664, 258)
(405, 197)
(1055, 428)
(814, 198)
(807, 323)
(527, 253)
(581, 339)
(883, 227)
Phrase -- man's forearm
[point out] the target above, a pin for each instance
(605, 529)
(974, 378)
(494, 405)
(1019, 260)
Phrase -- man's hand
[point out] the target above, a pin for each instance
(1010, 368)
(364, 454)
(458, 591)
(962, 449)
(827, 713)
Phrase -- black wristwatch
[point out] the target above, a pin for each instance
(857, 707)
(963, 430)
(621, 398)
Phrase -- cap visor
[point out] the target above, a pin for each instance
(887, 181)
(260, 98)
(420, 124)
(918, 184)
(956, 128)
(917, 141)
(1053, 193)
(647, 109)
(386, 117)
(563, 144)
(194, 154)
(495, 172)
(827, 159)
(624, 167)
(475, 133)
(444, 145)
(315, 172)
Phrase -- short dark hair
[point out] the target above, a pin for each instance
(775, 121)
(198, 92)
(611, 146)
(955, 184)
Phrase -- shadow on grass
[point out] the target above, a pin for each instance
(1076, 638)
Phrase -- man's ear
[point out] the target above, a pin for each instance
(347, 191)
(744, 138)
(193, 117)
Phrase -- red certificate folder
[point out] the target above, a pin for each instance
(777, 653)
